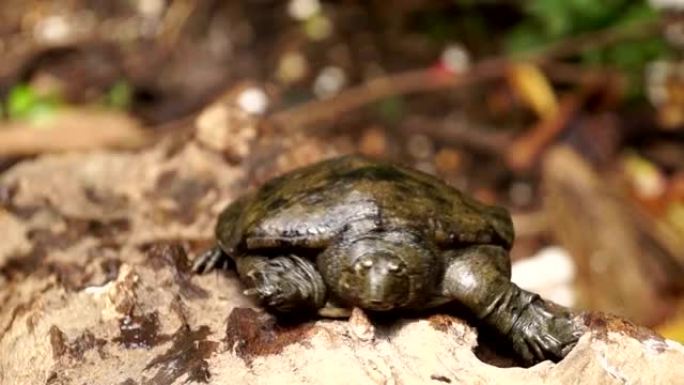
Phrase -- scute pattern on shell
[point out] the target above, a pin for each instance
(311, 206)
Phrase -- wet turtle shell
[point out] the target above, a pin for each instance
(310, 207)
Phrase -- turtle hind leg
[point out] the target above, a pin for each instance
(479, 278)
(212, 259)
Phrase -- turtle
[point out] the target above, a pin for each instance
(353, 231)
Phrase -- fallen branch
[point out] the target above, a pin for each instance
(72, 130)
(431, 79)
(422, 80)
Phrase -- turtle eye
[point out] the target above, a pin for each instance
(395, 267)
(363, 265)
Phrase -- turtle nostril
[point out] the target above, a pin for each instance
(377, 304)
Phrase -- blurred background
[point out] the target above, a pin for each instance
(568, 112)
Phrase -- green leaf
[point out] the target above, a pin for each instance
(24, 103)
(525, 38)
(20, 101)
(120, 95)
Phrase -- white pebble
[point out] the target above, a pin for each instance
(550, 273)
(253, 100)
(329, 82)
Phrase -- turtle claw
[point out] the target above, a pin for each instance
(211, 259)
(544, 331)
(250, 292)
(268, 295)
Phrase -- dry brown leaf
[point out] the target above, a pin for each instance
(534, 89)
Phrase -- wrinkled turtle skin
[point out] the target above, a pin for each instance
(352, 232)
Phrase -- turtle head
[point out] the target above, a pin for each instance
(383, 271)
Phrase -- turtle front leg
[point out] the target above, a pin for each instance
(479, 278)
(284, 283)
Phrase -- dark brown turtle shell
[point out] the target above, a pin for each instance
(310, 207)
